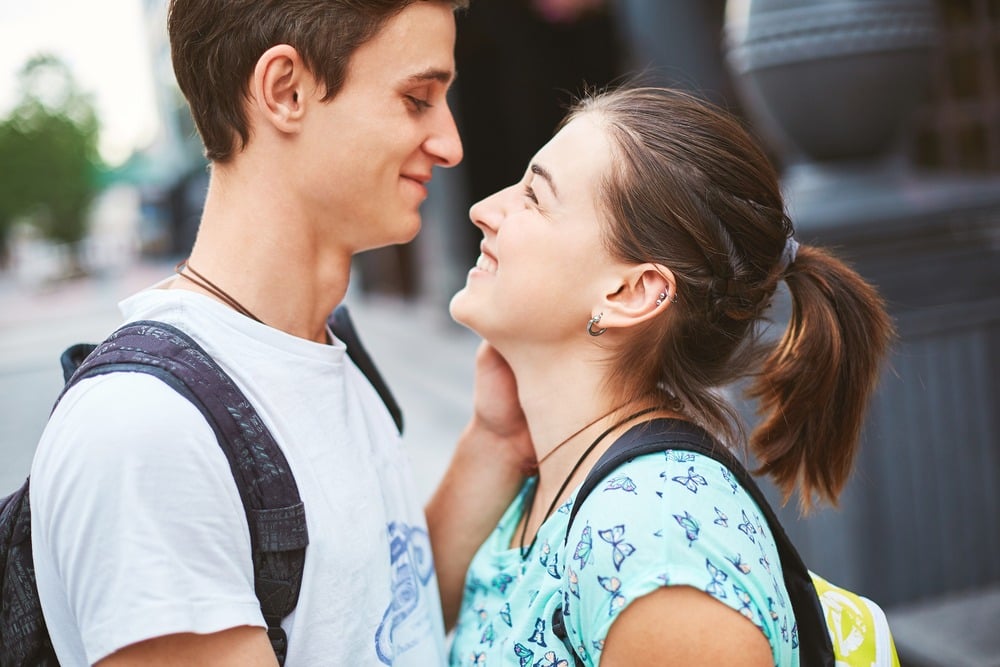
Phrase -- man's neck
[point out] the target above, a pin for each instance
(264, 252)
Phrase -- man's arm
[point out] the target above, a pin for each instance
(487, 469)
(239, 647)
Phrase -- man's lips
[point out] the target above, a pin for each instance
(419, 180)
(422, 179)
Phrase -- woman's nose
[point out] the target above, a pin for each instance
(488, 213)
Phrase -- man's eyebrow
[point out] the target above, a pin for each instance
(544, 173)
(444, 76)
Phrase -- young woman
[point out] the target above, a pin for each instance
(626, 277)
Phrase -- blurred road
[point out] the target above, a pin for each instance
(424, 356)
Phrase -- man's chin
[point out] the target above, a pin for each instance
(402, 233)
(409, 233)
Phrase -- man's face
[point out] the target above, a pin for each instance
(369, 152)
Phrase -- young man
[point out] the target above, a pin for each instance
(323, 121)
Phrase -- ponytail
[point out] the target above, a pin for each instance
(814, 387)
(691, 190)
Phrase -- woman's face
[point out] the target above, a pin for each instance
(543, 267)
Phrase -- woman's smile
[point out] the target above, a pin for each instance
(486, 263)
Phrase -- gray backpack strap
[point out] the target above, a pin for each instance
(343, 328)
(24, 637)
(270, 497)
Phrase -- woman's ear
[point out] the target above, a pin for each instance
(279, 87)
(644, 291)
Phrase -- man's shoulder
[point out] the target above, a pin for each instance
(126, 397)
(116, 419)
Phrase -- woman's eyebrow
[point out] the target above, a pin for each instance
(544, 173)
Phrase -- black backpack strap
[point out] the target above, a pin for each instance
(270, 497)
(343, 328)
(658, 435)
(24, 637)
(72, 358)
(652, 436)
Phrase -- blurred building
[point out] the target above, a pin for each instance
(172, 173)
(885, 115)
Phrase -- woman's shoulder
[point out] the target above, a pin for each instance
(675, 502)
(672, 481)
(675, 518)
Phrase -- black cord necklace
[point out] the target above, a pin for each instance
(525, 551)
(580, 430)
(184, 267)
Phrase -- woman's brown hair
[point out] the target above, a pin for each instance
(691, 190)
(215, 46)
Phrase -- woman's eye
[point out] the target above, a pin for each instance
(530, 194)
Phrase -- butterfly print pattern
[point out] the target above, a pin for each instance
(584, 547)
(721, 518)
(691, 481)
(621, 483)
(716, 587)
(620, 549)
(739, 564)
(690, 525)
(663, 519)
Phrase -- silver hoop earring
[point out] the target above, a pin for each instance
(590, 325)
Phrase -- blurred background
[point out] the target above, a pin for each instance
(883, 115)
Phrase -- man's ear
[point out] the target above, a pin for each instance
(279, 87)
(644, 291)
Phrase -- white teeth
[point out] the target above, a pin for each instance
(484, 263)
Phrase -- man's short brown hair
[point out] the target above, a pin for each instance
(215, 45)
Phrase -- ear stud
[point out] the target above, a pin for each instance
(663, 297)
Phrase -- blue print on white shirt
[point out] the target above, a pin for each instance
(412, 566)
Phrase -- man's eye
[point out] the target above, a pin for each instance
(418, 103)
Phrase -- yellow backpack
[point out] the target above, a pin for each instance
(858, 628)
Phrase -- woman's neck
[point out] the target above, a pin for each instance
(567, 402)
(559, 395)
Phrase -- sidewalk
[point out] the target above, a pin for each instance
(425, 358)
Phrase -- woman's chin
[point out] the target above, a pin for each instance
(459, 308)
(466, 310)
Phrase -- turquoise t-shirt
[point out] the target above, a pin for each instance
(664, 519)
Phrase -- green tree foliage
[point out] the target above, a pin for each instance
(49, 164)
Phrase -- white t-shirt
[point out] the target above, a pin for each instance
(138, 529)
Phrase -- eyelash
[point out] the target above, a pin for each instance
(530, 194)
(418, 103)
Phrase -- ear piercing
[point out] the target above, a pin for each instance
(596, 319)
(590, 325)
(663, 297)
